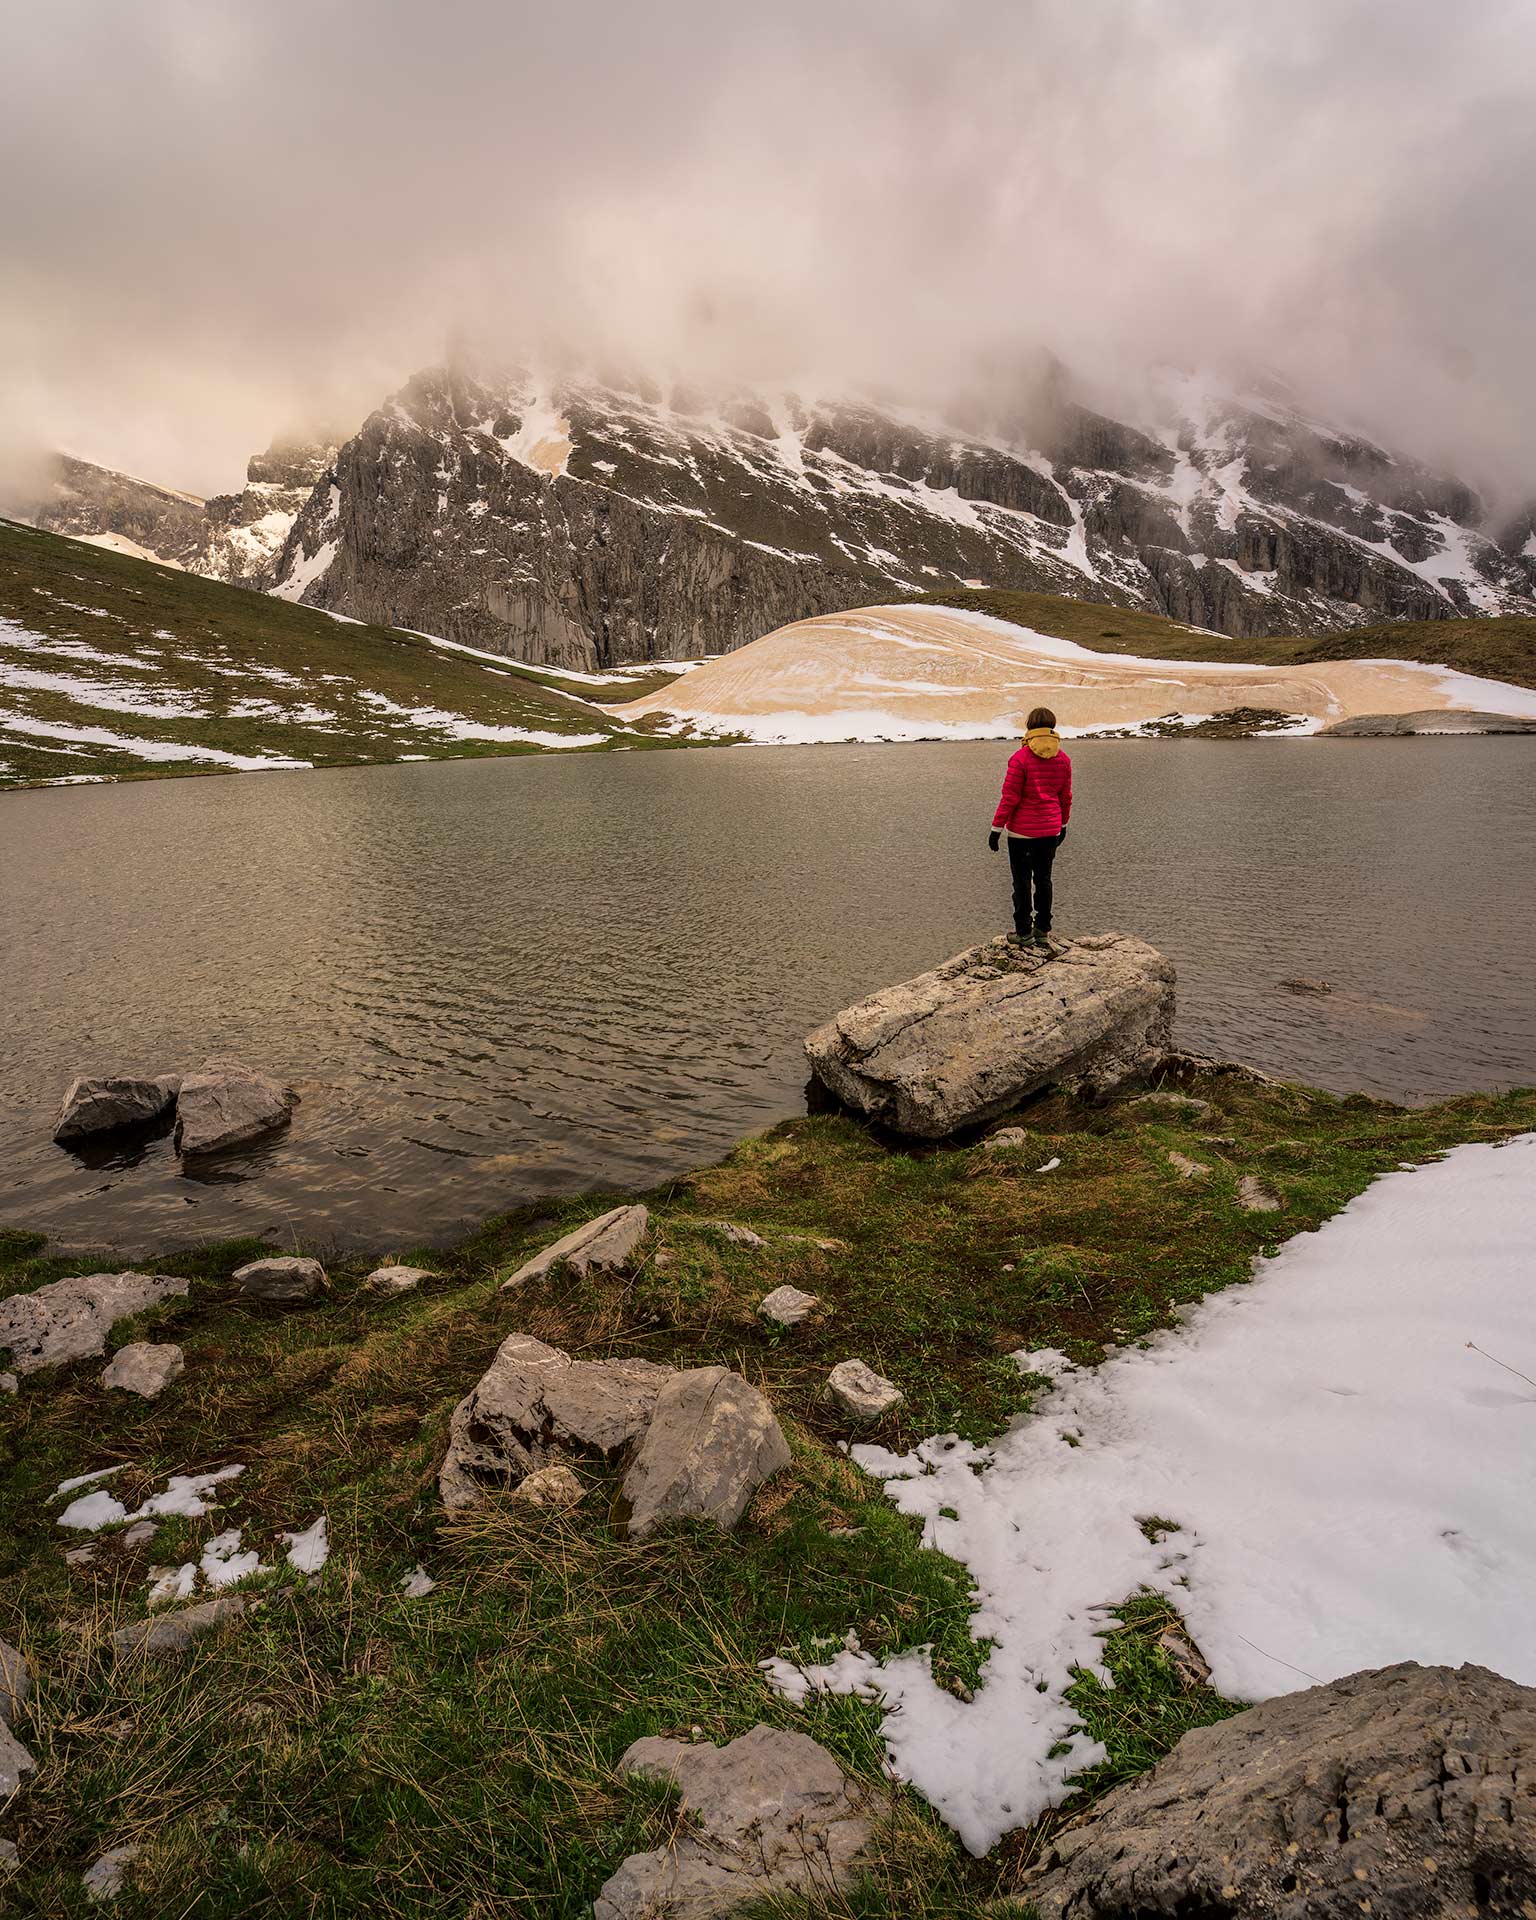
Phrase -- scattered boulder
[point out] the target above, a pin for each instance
(15, 1682)
(103, 1878)
(395, 1279)
(225, 1104)
(103, 1104)
(1402, 1792)
(15, 1764)
(1166, 1103)
(70, 1319)
(1253, 1195)
(605, 1243)
(772, 1812)
(969, 1040)
(738, 1236)
(175, 1632)
(787, 1306)
(861, 1393)
(711, 1442)
(282, 1281)
(1004, 1138)
(532, 1395)
(1186, 1168)
(553, 1486)
(144, 1367)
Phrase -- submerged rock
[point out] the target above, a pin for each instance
(175, 1632)
(70, 1319)
(711, 1443)
(605, 1243)
(282, 1281)
(225, 1104)
(104, 1103)
(1399, 1792)
(971, 1039)
(771, 1813)
(144, 1368)
(859, 1392)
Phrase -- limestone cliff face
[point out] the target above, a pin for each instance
(593, 523)
(244, 532)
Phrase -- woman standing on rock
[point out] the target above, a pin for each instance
(1033, 812)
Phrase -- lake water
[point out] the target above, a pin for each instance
(494, 979)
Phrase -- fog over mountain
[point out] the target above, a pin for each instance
(224, 221)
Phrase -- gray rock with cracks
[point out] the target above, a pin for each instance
(175, 1632)
(102, 1103)
(606, 1243)
(860, 1393)
(225, 1104)
(1399, 1793)
(771, 1813)
(712, 1441)
(969, 1040)
(70, 1319)
(282, 1281)
(144, 1367)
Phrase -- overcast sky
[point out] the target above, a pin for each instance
(223, 218)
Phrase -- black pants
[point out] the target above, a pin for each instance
(1031, 864)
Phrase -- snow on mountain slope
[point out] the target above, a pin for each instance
(940, 673)
(595, 522)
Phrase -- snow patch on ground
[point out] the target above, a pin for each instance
(1345, 1448)
(187, 1494)
(309, 1550)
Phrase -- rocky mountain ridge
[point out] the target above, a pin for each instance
(595, 522)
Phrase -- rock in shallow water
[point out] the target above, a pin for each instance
(970, 1040)
(144, 1368)
(70, 1319)
(225, 1104)
(772, 1812)
(1400, 1792)
(104, 1103)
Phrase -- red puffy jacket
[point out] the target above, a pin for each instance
(1037, 788)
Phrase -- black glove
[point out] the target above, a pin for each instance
(993, 838)
(1061, 836)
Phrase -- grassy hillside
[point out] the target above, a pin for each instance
(347, 1750)
(1502, 648)
(112, 667)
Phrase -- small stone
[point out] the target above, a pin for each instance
(1255, 1196)
(788, 1306)
(103, 1879)
(144, 1368)
(1186, 1168)
(281, 1281)
(859, 1392)
(15, 1682)
(416, 1584)
(10, 1859)
(15, 1764)
(139, 1534)
(175, 1632)
(1005, 1138)
(737, 1235)
(225, 1105)
(395, 1279)
(9, 1383)
(103, 1104)
(605, 1243)
(550, 1487)
(79, 1556)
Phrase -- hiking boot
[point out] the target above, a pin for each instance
(1042, 939)
(1021, 939)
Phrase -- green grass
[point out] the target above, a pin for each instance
(254, 675)
(1497, 648)
(346, 1751)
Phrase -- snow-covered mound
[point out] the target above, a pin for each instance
(939, 673)
(1326, 1470)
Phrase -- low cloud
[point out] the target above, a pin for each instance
(224, 221)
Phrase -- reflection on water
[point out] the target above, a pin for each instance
(494, 979)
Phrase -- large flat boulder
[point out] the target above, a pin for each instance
(225, 1104)
(103, 1103)
(771, 1813)
(530, 1400)
(970, 1039)
(711, 1443)
(70, 1319)
(1402, 1792)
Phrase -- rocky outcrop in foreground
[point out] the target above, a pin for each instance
(771, 1813)
(970, 1040)
(700, 1440)
(70, 1319)
(1398, 1793)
